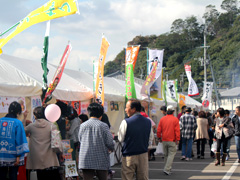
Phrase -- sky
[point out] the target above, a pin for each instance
(119, 20)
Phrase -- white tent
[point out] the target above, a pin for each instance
(23, 77)
(14, 82)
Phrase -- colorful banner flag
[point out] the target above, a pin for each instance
(192, 87)
(182, 101)
(45, 55)
(149, 81)
(131, 59)
(171, 87)
(207, 94)
(58, 74)
(156, 56)
(99, 79)
(51, 10)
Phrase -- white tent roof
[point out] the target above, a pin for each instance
(14, 82)
(112, 88)
(26, 76)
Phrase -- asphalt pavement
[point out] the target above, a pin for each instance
(201, 169)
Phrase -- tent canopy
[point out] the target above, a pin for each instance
(28, 73)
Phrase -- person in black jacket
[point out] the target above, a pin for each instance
(236, 123)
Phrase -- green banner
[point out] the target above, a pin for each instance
(164, 91)
(130, 86)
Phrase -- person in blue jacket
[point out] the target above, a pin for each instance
(13, 142)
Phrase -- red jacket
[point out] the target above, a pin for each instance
(168, 128)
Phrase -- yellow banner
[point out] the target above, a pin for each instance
(99, 79)
(51, 10)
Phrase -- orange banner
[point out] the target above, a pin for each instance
(181, 101)
(99, 79)
(131, 55)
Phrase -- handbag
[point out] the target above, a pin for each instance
(214, 146)
(56, 142)
(159, 149)
(33, 175)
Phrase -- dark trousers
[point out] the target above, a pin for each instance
(224, 142)
(11, 170)
(45, 174)
(201, 146)
(88, 174)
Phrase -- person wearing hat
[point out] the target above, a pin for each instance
(168, 132)
(188, 127)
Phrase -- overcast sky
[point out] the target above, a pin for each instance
(119, 20)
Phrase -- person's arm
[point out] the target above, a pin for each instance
(122, 131)
(159, 130)
(108, 138)
(151, 136)
(177, 132)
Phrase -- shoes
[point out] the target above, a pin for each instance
(190, 159)
(187, 159)
(151, 159)
(202, 157)
(183, 158)
(198, 156)
(167, 173)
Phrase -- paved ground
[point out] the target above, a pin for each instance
(200, 169)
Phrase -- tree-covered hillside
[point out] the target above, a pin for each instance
(183, 44)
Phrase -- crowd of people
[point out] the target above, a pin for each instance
(192, 126)
(92, 141)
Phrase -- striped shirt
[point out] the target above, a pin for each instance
(188, 126)
(95, 142)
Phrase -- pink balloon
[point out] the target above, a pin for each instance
(52, 112)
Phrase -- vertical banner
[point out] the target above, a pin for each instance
(149, 81)
(192, 87)
(130, 61)
(164, 91)
(207, 94)
(156, 56)
(45, 55)
(182, 101)
(100, 73)
(171, 87)
(58, 74)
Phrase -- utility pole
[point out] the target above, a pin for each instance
(166, 76)
(182, 80)
(233, 80)
(205, 56)
(205, 61)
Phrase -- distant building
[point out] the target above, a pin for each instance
(229, 99)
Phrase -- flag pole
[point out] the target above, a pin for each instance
(150, 87)
(9, 29)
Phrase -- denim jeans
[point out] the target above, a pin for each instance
(12, 172)
(187, 152)
(237, 141)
